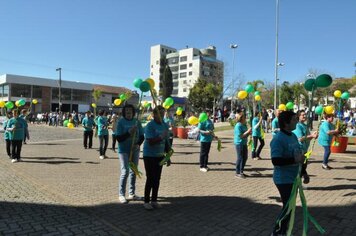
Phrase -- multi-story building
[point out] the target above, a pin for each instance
(186, 65)
(75, 96)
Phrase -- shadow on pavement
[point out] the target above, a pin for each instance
(50, 158)
(204, 215)
(335, 187)
(53, 162)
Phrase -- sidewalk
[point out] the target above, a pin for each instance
(62, 189)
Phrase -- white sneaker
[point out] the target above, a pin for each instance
(156, 205)
(122, 199)
(148, 206)
(134, 197)
(101, 157)
(14, 160)
(203, 170)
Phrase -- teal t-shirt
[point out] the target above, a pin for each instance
(123, 126)
(238, 131)
(206, 126)
(300, 131)
(7, 134)
(285, 146)
(324, 139)
(103, 126)
(19, 125)
(154, 130)
(88, 123)
(256, 132)
(275, 125)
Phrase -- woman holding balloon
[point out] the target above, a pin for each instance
(206, 130)
(103, 133)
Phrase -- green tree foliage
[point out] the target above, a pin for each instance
(166, 83)
(287, 93)
(204, 94)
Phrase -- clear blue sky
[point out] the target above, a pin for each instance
(108, 41)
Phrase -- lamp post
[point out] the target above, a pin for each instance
(233, 47)
(59, 89)
(276, 51)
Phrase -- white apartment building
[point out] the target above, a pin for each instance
(186, 65)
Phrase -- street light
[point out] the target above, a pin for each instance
(276, 62)
(59, 89)
(233, 47)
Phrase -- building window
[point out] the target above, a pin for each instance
(190, 64)
(81, 95)
(162, 49)
(151, 73)
(151, 66)
(184, 82)
(185, 90)
(183, 58)
(37, 92)
(183, 67)
(190, 73)
(4, 90)
(175, 92)
(21, 90)
(175, 84)
(175, 76)
(183, 75)
(174, 68)
(173, 60)
(157, 62)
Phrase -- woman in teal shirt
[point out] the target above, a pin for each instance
(7, 134)
(103, 133)
(240, 140)
(16, 126)
(257, 136)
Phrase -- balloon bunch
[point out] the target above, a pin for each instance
(284, 107)
(168, 103)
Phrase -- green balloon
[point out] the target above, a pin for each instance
(345, 95)
(148, 105)
(123, 97)
(22, 102)
(65, 123)
(257, 93)
(203, 117)
(249, 88)
(319, 110)
(179, 109)
(323, 81)
(169, 101)
(9, 105)
(144, 86)
(290, 105)
(309, 84)
(137, 82)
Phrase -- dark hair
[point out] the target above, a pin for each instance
(257, 113)
(101, 112)
(128, 106)
(300, 112)
(285, 118)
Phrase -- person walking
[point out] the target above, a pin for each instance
(130, 136)
(240, 140)
(275, 123)
(26, 133)
(286, 156)
(326, 132)
(257, 136)
(206, 136)
(103, 133)
(155, 145)
(7, 134)
(16, 126)
(88, 124)
(304, 136)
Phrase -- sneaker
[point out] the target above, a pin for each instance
(122, 199)
(255, 159)
(306, 179)
(203, 170)
(101, 157)
(326, 167)
(14, 160)
(156, 205)
(148, 206)
(134, 198)
(241, 176)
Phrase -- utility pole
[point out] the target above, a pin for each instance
(59, 89)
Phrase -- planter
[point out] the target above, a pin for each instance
(182, 132)
(175, 131)
(341, 148)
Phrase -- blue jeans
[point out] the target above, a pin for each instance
(126, 171)
(241, 151)
(327, 152)
(103, 141)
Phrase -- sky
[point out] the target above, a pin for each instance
(108, 41)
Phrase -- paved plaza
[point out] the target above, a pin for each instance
(60, 188)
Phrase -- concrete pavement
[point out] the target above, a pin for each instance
(62, 189)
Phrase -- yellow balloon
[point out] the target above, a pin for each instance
(70, 125)
(179, 112)
(151, 82)
(337, 93)
(17, 103)
(166, 106)
(329, 110)
(2, 104)
(242, 94)
(258, 98)
(93, 105)
(282, 107)
(193, 120)
(117, 102)
(34, 101)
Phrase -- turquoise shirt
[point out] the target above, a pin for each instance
(7, 134)
(88, 123)
(275, 125)
(19, 125)
(123, 127)
(256, 132)
(154, 130)
(285, 146)
(206, 126)
(324, 139)
(238, 131)
(300, 131)
(103, 126)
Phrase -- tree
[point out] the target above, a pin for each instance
(204, 95)
(286, 92)
(299, 93)
(166, 83)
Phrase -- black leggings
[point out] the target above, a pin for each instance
(285, 191)
(259, 149)
(153, 176)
